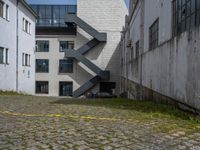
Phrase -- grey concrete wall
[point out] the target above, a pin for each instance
(172, 69)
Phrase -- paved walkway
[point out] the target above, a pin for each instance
(33, 123)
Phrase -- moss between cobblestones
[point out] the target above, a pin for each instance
(167, 118)
(161, 117)
(12, 93)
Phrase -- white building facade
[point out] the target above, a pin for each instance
(160, 52)
(61, 75)
(17, 43)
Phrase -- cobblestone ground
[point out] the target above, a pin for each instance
(39, 123)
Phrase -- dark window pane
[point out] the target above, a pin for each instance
(66, 45)
(1, 55)
(66, 88)
(42, 65)
(62, 11)
(52, 15)
(71, 9)
(42, 87)
(153, 35)
(193, 6)
(42, 46)
(1, 8)
(48, 12)
(66, 65)
(63, 46)
(42, 13)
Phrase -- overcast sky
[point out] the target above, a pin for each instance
(57, 1)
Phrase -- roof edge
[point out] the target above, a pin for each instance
(28, 7)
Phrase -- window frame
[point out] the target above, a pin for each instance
(46, 91)
(42, 71)
(68, 43)
(46, 44)
(2, 57)
(70, 65)
(64, 83)
(185, 16)
(154, 35)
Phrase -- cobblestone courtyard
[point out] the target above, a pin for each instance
(50, 123)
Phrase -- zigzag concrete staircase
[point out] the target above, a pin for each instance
(79, 54)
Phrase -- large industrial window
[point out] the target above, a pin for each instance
(65, 88)
(42, 87)
(1, 55)
(186, 15)
(1, 8)
(66, 65)
(66, 45)
(53, 15)
(42, 65)
(42, 46)
(153, 35)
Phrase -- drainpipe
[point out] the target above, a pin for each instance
(17, 49)
(142, 44)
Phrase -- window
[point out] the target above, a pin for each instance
(186, 15)
(65, 88)
(42, 46)
(42, 87)
(1, 55)
(42, 65)
(7, 12)
(53, 15)
(26, 59)
(26, 26)
(153, 35)
(66, 45)
(6, 56)
(71, 9)
(137, 48)
(66, 65)
(1, 8)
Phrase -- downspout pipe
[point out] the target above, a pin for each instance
(17, 49)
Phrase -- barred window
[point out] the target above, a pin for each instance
(42, 87)
(153, 35)
(186, 15)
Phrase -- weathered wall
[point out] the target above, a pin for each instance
(8, 40)
(169, 71)
(173, 69)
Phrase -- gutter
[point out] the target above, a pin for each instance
(28, 7)
(17, 49)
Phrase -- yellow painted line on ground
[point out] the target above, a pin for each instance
(57, 115)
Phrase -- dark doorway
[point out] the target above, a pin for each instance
(65, 88)
(107, 87)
